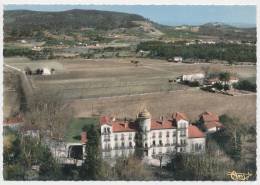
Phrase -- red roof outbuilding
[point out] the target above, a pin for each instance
(209, 116)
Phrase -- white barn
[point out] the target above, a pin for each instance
(193, 77)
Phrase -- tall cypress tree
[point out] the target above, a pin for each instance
(91, 168)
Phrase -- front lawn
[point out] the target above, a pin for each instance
(75, 128)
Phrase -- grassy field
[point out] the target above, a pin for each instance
(192, 102)
(84, 83)
(75, 128)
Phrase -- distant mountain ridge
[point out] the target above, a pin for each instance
(26, 23)
(67, 20)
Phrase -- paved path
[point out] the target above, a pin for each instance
(26, 84)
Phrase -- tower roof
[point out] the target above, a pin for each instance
(144, 114)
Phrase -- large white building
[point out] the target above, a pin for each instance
(165, 136)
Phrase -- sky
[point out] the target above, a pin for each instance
(171, 15)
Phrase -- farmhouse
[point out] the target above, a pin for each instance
(155, 137)
(210, 121)
(177, 59)
(214, 80)
(199, 77)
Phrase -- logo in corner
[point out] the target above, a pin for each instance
(239, 176)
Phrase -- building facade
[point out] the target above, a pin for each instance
(155, 137)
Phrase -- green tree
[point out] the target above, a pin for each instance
(92, 166)
(245, 85)
(131, 168)
(224, 76)
(21, 153)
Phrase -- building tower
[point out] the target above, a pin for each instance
(144, 121)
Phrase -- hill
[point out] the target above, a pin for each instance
(224, 31)
(25, 22)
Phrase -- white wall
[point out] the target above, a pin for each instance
(192, 143)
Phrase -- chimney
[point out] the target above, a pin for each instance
(83, 137)
(126, 124)
(161, 118)
(113, 118)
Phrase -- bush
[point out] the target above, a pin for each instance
(218, 86)
(245, 85)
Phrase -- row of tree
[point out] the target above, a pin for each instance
(27, 52)
(220, 51)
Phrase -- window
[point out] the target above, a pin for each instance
(173, 133)
(122, 136)
(160, 134)
(130, 136)
(182, 125)
(167, 142)
(106, 138)
(115, 137)
(108, 130)
(198, 147)
(122, 144)
(160, 143)
(183, 133)
(105, 130)
(153, 135)
(153, 143)
(145, 145)
(182, 149)
(167, 134)
(130, 144)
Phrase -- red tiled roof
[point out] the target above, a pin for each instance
(209, 116)
(121, 126)
(166, 124)
(178, 116)
(213, 124)
(15, 120)
(104, 120)
(194, 132)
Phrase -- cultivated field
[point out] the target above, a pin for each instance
(84, 83)
(191, 102)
